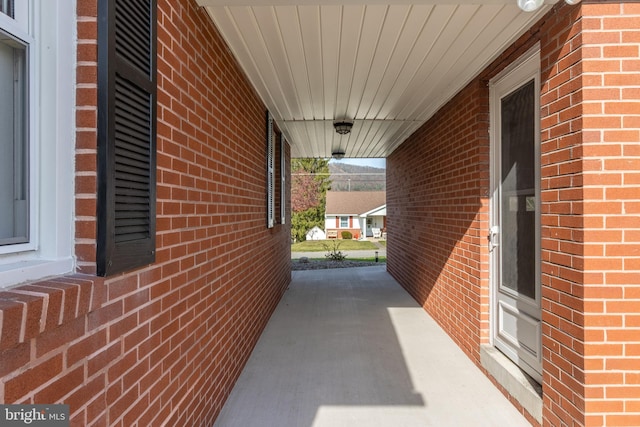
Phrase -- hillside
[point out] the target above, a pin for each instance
(345, 177)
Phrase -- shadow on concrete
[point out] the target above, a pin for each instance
(349, 347)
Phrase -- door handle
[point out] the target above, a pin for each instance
(494, 241)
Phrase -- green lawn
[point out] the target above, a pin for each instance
(345, 245)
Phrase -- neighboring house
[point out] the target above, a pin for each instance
(375, 222)
(316, 233)
(359, 212)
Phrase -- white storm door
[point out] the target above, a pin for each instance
(515, 216)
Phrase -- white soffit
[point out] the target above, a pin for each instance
(388, 66)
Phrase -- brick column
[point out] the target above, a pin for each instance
(563, 221)
(591, 215)
(611, 211)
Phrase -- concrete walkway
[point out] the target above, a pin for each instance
(349, 347)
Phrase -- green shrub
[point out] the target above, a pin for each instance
(333, 251)
(346, 235)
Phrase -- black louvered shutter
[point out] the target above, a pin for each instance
(271, 174)
(126, 135)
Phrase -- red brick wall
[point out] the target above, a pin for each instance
(165, 343)
(437, 213)
(591, 215)
(438, 210)
(611, 211)
(563, 331)
(590, 123)
(86, 136)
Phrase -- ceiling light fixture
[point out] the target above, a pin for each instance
(343, 127)
(338, 154)
(530, 5)
(572, 2)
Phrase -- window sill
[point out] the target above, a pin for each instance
(13, 274)
(518, 384)
(32, 308)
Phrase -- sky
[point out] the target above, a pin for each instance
(376, 163)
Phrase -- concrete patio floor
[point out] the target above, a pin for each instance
(349, 347)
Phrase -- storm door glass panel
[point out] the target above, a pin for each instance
(6, 7)
(518, 192)
(14, 217)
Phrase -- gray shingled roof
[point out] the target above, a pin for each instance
(354, 202)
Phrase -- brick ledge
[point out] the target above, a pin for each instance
(35, 307)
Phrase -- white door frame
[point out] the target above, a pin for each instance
(523, 70)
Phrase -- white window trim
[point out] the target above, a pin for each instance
(20, 22)
(52, 139)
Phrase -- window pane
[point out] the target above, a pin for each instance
(344, 222)
(14, 216)
(518, 212)
(6, 7)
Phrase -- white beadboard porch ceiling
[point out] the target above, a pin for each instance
(386, 65)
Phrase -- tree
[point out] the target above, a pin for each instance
(305, 191)
(309, 184)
